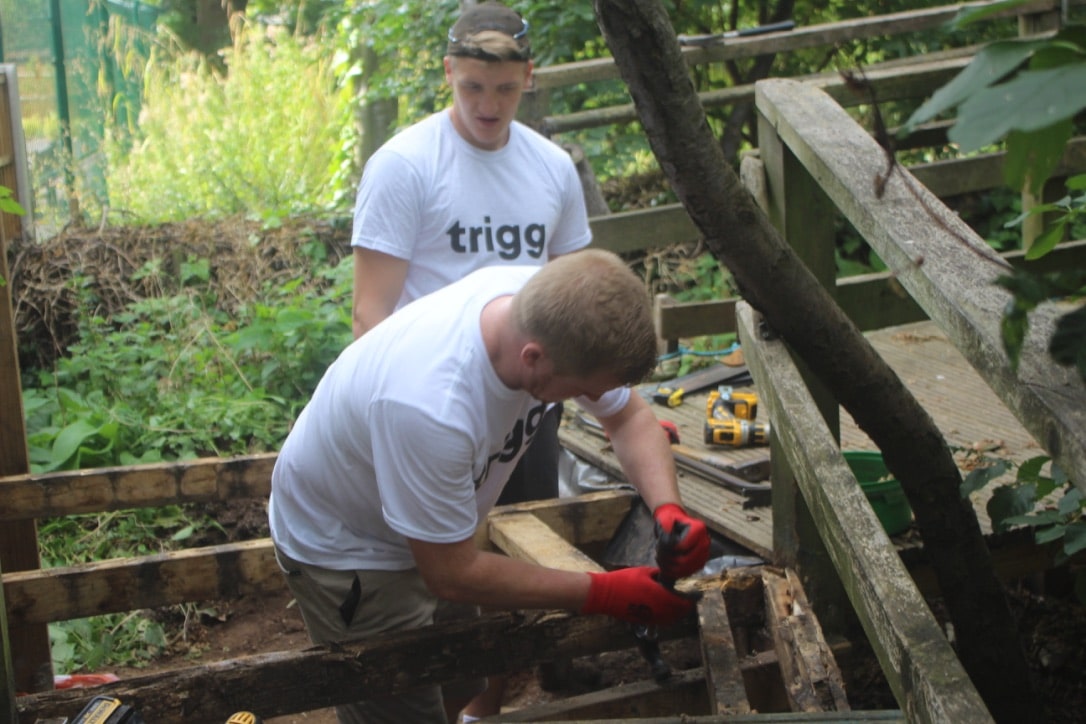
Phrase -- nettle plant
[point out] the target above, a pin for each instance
(1033, 499)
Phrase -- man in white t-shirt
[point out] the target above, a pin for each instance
(412, 432)
(467, 188)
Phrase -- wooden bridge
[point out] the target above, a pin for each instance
(951, 363)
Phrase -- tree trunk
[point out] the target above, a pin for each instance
(742, 238)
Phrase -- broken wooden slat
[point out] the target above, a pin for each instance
(811, 677)
(727, 692)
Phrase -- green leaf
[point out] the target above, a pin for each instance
(1047, 241)
(1071, 502)
(70, 439)
(1049, 534)
(1033, 156)
(981, 476)
(1008, 501)
(969, 15)
(1076, 183)
(1032, 100)
(1074, 538)
(1030, 470)
(989, 65)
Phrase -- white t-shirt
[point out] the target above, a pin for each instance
(409, 433)
(449, 208)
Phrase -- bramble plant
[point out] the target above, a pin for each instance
(1029, 500)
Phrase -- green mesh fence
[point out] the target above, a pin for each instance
(78, 63)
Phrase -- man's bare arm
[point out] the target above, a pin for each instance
(378, 284)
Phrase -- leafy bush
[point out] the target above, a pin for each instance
(266, 136)
(1030, 500)
(173, 378)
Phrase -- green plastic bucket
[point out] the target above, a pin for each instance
(883, 492)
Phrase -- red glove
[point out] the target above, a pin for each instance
(635, 595)
(687, 542)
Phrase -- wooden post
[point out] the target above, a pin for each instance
(28, 646)
(800, 210)
(7, 676)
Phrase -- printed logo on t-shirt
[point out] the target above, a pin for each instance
(509, 241)
(516, 440)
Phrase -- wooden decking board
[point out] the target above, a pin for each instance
(962, 406)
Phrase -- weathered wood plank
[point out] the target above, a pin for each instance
(803, 37)
(872, 301)
(28, 644)
(809, 671)
(128, 584)
(135, 486)
(724, 679)
(214, 572)
(625, 231)
(922, 669)
(280, 683)
(940, 261)
(684, 692)
(916, 80)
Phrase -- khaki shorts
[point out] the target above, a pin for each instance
(339, 606)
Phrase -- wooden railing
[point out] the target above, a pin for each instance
(928, 682)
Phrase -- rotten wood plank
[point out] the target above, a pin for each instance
(724, 679)
(809, 671)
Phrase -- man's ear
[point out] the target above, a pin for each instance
(531, 354)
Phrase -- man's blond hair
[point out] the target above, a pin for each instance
(591, 314)
(491, 46)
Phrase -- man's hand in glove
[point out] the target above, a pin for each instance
(687, 542)
(635, 595)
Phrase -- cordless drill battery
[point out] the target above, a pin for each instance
(743, 405)
(107, 710)
(724, 427)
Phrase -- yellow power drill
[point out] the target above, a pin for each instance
(743, 405)
(724, 427)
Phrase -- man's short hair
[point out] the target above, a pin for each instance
(591, 313)
(490, 31)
